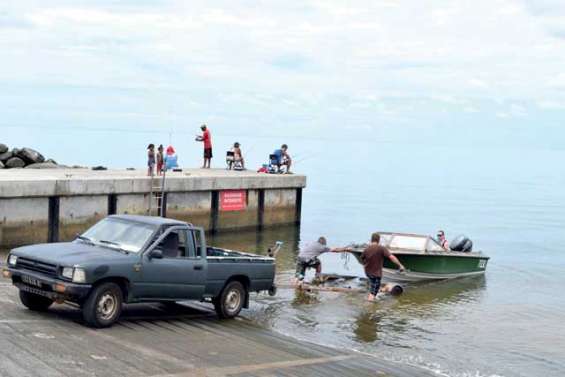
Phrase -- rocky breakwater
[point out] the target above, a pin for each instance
(24, 158)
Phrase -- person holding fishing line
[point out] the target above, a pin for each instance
(206, 138)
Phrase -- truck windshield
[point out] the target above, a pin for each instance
(128, 235)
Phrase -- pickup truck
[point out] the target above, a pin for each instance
(128, 259)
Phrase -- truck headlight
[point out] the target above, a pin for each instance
(79, 276)
(12, 259)
(68, 272)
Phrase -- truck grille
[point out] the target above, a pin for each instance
(33, 265)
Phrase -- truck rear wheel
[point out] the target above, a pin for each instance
(35, 302)
(229, 303)
(103, 306)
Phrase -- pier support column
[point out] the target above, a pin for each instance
(164, 205)
(298, 205)
(260, 208)
(214, 211)
(112, 204)
(53, 219)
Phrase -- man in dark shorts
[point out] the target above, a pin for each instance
(206, 138)
(373, 258)
(308, 257)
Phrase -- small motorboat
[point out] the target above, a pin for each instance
(425, 259)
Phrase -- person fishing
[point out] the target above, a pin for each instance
(308, 257)
(373, 259)
(206, 138)
(238, 155)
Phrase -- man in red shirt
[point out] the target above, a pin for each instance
(373, 258)
(206, 138)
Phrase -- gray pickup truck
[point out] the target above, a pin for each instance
(127, 259)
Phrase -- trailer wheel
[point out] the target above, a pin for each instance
(230, 302)
(35, 302)
(103, 306)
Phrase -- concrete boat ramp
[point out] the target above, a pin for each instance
(182, 341)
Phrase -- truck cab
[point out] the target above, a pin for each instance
(129, 259)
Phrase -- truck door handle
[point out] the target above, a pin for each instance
(198, 267)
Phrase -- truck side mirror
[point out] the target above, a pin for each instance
(156, 253)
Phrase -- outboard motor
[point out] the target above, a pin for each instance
(461, 243)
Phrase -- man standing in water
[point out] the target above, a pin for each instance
(308, 257)
(373, 258)
(206, 138)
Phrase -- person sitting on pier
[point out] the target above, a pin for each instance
(238, 162)
(308, 257)
(282, 158)
(171, 159)
(442, 240)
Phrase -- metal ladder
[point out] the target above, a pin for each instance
(156, 195)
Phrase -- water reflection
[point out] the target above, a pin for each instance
(304, 298)
(259, 242)
(366, 326)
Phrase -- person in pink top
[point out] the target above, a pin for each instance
(442, 240)
(206, 138)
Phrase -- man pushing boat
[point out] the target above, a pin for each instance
(308, 257)
(373, 259)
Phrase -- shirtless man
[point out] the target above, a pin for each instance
(237, 155)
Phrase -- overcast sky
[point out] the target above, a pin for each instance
(315, 65)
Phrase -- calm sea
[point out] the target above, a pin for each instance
(509, 199)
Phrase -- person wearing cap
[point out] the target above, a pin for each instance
(308, 257)
(206, 138)
(286, 159)
(442, 240)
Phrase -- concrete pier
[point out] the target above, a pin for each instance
(55, 204)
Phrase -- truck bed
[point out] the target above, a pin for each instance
(223, 262)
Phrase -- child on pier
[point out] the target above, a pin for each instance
(150, 159)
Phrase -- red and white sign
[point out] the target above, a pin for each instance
(233, 200)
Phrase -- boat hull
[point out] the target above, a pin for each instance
(435, 266)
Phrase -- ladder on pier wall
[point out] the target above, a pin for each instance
(156, 195)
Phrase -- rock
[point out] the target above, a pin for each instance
(30, 156)
(3, 148)
(1, 165)
(52, 161)
(44, 165)
(6, 156)
(99, 168)
(15, 162)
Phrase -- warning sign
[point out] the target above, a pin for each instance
(232, 200)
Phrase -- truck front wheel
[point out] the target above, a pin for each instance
(103, 306)
(35, 302)
(229, 303)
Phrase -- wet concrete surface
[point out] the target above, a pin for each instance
(157, 340)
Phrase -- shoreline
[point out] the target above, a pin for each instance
(188, 340)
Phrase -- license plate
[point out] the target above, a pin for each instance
(31, 281)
